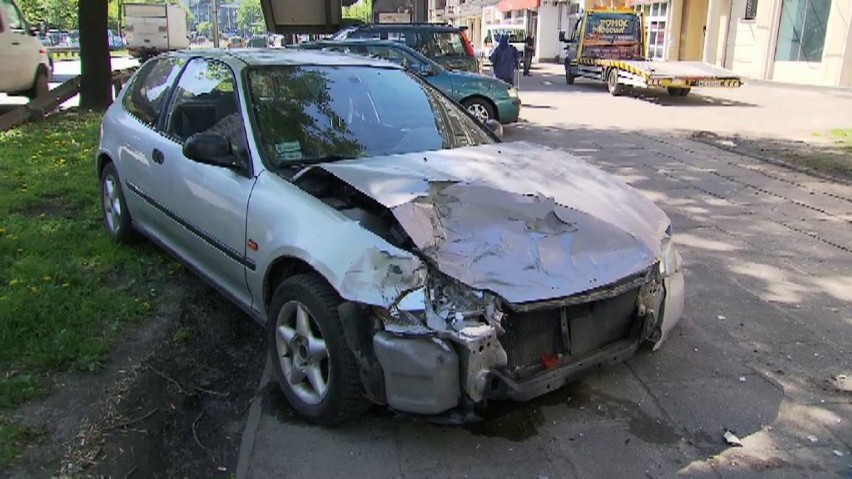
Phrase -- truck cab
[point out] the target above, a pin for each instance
(24, 63)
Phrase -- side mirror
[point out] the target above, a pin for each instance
(211, 149)
(495, 127)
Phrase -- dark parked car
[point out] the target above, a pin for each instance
(485, 97)
(445, 44)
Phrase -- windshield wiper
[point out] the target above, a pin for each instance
(317, 161)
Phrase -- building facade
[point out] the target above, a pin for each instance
(791, 41)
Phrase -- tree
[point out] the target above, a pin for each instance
(205, 28)
(95, 66)
(250, 16)
(360, 10)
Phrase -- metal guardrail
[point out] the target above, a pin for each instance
(60, 52)
(40, 107)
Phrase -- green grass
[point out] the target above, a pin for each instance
(66, 291)
(13, 437)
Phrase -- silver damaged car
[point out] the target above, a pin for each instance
(396, 250)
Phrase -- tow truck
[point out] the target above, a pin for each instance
(609, 45)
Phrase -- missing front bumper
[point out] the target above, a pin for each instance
(502, 386)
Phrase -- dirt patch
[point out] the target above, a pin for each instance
(173, 402)
(822, 158)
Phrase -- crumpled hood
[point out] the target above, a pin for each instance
(526, 222)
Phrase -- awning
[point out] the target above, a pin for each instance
(509, 5)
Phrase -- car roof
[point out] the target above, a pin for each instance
(374, 42)
(287, 56)
(406, 26)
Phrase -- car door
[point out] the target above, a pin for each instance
(208, 203)
(139, 168)
(22, 53)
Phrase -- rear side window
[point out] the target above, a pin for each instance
(147, 95)
(447, 44)
(408, 37)
(16, 22)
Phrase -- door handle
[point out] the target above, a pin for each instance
(158, 156)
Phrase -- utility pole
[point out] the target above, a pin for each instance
(215, 24)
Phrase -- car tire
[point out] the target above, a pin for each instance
(615, 88)
(116, 216)
(684, 91)
(316, 371)
(41, 85)
(480, 108)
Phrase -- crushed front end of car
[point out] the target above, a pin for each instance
(522, 284)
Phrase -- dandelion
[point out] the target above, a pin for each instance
(46, 279)
(33, 290)
(13, 282)
(65, 285)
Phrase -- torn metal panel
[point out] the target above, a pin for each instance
(563, 227)
(384, 273)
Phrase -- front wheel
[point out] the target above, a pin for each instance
(615, 88)
(316, 370)
(480, 108)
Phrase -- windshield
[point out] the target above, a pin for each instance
(515, 35)
(308, 114)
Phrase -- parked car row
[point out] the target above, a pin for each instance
(395, 249)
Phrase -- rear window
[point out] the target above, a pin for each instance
(448, 44)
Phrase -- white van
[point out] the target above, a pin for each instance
(517, 35)
(24, 64)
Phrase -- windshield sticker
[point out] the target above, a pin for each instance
(289, 150)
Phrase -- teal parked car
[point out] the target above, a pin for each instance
(484, 97)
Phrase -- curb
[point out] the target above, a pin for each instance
(253, 421)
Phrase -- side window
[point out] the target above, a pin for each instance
(389, 54)
(575, 35)
(16, 22)
(206, 101)
(146, 97)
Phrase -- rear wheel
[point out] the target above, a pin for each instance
(677, 91)
(41, 87)
(612, 84)
(480, 108)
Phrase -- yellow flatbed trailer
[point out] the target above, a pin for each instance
(677, 77)
(609, 46)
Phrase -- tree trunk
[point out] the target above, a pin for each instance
(95, 66)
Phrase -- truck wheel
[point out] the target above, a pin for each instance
(612, 84)
(684, 91)
(316, 370)
(569, 78)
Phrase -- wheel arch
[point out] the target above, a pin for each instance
(484, 98)
(102, 160)
(279, 270)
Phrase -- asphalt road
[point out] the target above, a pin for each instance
(762, 350)
(63, 71)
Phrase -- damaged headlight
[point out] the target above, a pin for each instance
(443, 304)
(670, 258)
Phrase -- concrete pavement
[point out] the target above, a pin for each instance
(767, 328)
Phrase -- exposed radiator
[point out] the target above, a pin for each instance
(532, 335)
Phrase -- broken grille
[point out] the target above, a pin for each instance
(533, 335)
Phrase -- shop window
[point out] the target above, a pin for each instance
(801, 34)
(750, 10)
